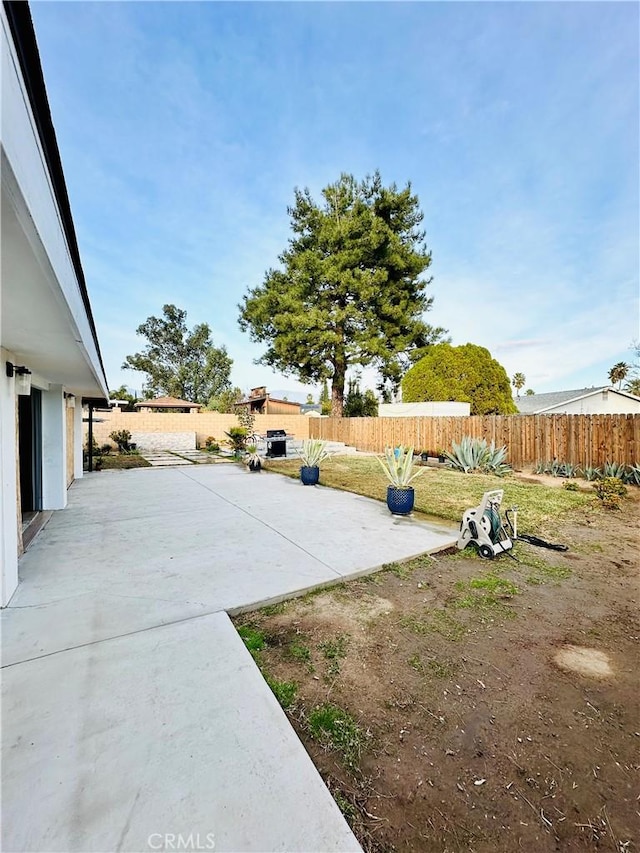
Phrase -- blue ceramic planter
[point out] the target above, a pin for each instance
(400, 501)
(309, 475)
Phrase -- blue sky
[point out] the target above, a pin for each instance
(184, 127)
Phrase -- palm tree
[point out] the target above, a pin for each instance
(518, 382)
(633, 386)
(618, 373)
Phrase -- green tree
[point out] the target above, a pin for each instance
(618, 373)
(529, 392)
(179, 362)
(224, 402)
(121, 393)
(359, 405)
(465, 373)
(518, 382)
(350, 289)
(325, 399)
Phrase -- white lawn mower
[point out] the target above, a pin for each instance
(483, 527)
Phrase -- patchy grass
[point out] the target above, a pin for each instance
(123, 461)
(253, 639)
(300, 652)
(284, 691)
(446, 494)
(334, 728)
(448, 705)
(437, 622)
(333, 651)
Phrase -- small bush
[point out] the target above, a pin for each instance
(237, 439)
(211, 444)
(121, 437)
(609, 490)
(570, 487)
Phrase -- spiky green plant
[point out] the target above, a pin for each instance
(397, 465)
(590, 473)
(313, 452)
(569, 470)
(615, 469)
(632, 475)
(474, 454)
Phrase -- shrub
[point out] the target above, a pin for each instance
(237, 439)
(121, 437)
(475, 455)
(609, 490)
(211, 444)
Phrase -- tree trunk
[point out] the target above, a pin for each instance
(337, 390)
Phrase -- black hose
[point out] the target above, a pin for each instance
(540, 543)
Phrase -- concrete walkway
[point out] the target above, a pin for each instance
(132, 712)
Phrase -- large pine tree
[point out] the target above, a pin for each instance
(350, 290)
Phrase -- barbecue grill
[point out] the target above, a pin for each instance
(276, 442)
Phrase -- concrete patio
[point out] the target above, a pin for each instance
(132, 712)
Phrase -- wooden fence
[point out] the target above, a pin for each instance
(579, 439)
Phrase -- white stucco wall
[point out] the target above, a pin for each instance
(442, 409)
(602, 403)
(54, 448)
(8, 484)
(77, 440)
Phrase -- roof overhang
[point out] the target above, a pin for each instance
(45, 315)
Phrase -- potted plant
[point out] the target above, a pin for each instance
(252, 460)
(442, 455)
(312, 454)
(424, 455)
(238, 440)
(397, 465)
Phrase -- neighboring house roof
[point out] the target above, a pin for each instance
(167, 403)
(536, 404)
(263, 398)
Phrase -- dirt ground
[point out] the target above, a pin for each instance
(490, 705)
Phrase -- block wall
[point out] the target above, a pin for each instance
(204, 424)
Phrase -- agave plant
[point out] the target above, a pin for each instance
(569, 470)
(397, 465)
(614, 469)
(313, 452)
(474, 454)
(632, 475)
(590, 473)
(555, 469)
